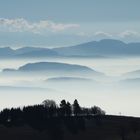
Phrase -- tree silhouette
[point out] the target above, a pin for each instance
(76, 108)
(135, 126)
(97, 111)
(86, 111)
(5, 117)
(49, 103)
(16, 116)
(50, 118)
(63, 108)
(50, 107)
(68, 109)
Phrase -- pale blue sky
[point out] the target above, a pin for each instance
(70, 21)
(72, 10)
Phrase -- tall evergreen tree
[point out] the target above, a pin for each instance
(68, 109)
(63, 108)
(76, 108)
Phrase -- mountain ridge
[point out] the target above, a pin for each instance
(106, 47)
(102, 48)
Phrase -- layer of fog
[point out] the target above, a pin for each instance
(113, 94)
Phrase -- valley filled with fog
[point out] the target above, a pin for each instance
(111, 83)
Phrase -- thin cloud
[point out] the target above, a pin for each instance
(103, 34)
(83, 34)
(95, 34)
(22, 25)
(128, 33)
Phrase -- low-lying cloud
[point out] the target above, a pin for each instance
(129, 33)
(101, 33)
(126, 34)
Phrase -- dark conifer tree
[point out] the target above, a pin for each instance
(63, 108)
(76, 108)
(68, 109)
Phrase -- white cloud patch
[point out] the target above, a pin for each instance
(129, 33)
(98, 34)
(22, 25)
(103, 34)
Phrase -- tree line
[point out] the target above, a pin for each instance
(49, 109)
(50, 116)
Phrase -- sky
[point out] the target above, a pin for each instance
(55, 23)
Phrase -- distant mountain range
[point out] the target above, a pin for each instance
(26, 52)
(106, 47)
(103, 48)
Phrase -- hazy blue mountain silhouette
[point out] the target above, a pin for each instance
(106, 47)
(69, 79)
(27, 49)
(56, 69)
(35, 52)
(25, 52)
(6, 52)
(53, 66)
(102, 48)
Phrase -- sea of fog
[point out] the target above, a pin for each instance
(109, 93)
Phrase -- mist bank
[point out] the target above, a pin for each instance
(111, 92)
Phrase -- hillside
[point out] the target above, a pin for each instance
(102, 128)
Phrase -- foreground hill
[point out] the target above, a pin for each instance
(96, 127)
(66, 121)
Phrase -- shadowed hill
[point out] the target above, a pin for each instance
(65, 122)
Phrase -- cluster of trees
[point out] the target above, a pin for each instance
(67, 109)
(56, 119)
(49, 109)
(49, 116)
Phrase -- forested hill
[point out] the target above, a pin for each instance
(65, 122)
